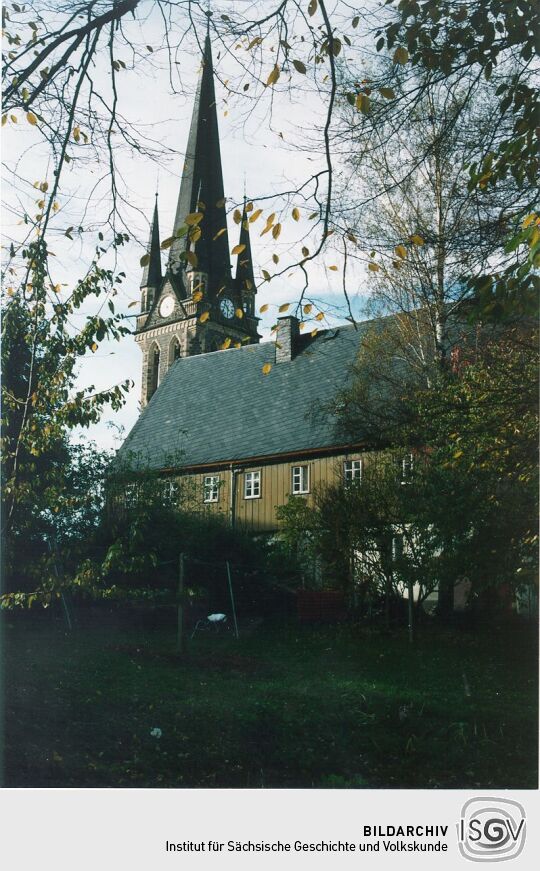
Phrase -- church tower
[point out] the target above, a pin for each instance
(196, 306)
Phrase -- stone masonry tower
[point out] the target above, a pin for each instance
(196, 306)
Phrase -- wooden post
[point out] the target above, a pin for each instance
(232, 599)
(410, 610)
(180, 607)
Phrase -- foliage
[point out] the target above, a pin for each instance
(484, 38)
(149, 521)
(484, 35)
(476, 422)
(43, 474)
(407, 201)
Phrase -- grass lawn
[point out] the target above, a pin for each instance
(285, 707)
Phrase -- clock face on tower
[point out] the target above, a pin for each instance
(166, 306)
(227, 308)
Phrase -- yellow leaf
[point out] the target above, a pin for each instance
(312, 8)
(226, 344)
(417, 240)
(387, 93)
(401, 251)
(197, 296)
(44, 187)
(529, 220)
(31, 118)
(333, 268)
(238, 344)
(237, 216)
(264, 308)
(238, 249)
(266, 275)
(167, 243)
(204, 317)
(314, 332)
(275, 258)
(93, 347)
(274, 76)
(305, 251)
(255, 215)
(254, 42)
(145, 260)
(193, 219)
(219, 233)
(284, 307)
(195, 234)
(270, 219)
(296, 214)
(352, 238)
(266, 368)
(276, 231)
(76, 133)
(4, 120)
(13, 118)
(301, 325)
(55, 206)
(307, 308)
(320, 316)
(363, 103)
(249, 207)
(239, 313)
(374, 267)
(401, 55)
(191, 258)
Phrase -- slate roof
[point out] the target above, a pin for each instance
(220, 407)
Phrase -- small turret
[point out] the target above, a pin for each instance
(151, 277)
(245, 279)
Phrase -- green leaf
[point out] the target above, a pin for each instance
(401, 55)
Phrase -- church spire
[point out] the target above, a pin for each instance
(245, 278)
(201, 191)
(151, 276)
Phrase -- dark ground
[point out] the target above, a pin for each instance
(286, 706)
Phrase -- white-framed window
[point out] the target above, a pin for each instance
(211, 488)
(407, 467)
(352, 472)
(252, 485)
(170, 491)
(300, 479)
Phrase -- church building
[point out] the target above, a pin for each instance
(197, 304)
(244, 421)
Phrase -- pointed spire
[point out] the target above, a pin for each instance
(245, 278)
(151, 276)
(201, 189)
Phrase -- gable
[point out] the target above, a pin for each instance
(178, 312)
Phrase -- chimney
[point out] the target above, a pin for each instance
(286, 340)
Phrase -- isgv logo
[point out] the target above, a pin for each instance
(491, 829)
